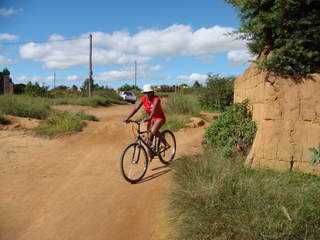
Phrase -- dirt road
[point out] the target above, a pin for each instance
(71, 188)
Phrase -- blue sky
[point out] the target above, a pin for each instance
(173, 41)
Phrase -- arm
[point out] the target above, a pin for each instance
(133, 111)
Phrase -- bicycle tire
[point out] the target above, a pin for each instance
(141, 153)
(173, 148)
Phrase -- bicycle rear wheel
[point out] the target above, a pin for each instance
(134, 163)
(166, 155)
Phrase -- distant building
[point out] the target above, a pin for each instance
(6, 84)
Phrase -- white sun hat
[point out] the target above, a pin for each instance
(147, 88)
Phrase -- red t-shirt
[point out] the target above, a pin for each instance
(149, 104)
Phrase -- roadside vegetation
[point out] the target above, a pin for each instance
(219, 198)
(233, 131)
(215, 196)
(59, 123)
(35, 101)
(183, 101)
(3, 119)
(25, 106)
(218, 93)
(179, 108)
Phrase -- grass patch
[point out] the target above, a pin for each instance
(175, 122)
(25, 106)
(183, 104)
(218, 198)
(93, 101)
(59, 123)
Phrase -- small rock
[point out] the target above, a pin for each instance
(196, 122)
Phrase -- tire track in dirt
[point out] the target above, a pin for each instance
(71, 188)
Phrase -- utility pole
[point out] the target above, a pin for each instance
(54, 80)
(90, 66)
(135, 73)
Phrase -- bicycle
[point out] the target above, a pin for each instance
(136, 153)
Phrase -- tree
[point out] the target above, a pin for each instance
(85, 86)
(196, 84)
(35, 90)
(287, 31)
(218, 94)
(74, 88)
(127, 87)
(19, 88)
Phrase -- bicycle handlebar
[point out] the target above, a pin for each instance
(138, 122)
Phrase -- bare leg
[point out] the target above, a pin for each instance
(155, 130)
(150, 139)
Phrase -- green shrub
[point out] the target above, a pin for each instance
(218, 93)
(127, 87)
(183, 104)
(93, 101)
(175, 122)
(234, 126)
(25, 106)
(110, 94)
(217, 198)
(59, 123)
(315, 159)
(290, 30)
(35, 90)
(3, 119)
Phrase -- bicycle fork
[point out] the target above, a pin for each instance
(136, 160)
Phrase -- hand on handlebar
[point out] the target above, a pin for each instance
(146, 120)
(126, 120)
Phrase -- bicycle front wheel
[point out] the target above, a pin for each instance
(167, 153)
(134, 163)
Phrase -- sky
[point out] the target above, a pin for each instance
(173, 42)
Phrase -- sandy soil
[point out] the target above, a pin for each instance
(71, 187)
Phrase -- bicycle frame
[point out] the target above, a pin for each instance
(140, 140)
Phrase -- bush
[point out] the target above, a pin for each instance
(290, 30)
(93, 101)
(25, 106)
(35, 90)
(218, 94)
(315, 159)
(3, 119)
(183, 104)
(234, 126)
(215, 198)
(62, 123)
(110, 94)
(175, 122)
(127, 87)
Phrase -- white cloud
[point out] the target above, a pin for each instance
(114, 75)
(193, 77)
(49, 78)
(144, 71)
(6, 12)
(21, 79)
(4, 60)
(73, 78)
(39, 79)
(121, 47)
(56, 37)
(238, 57)
(8, 37)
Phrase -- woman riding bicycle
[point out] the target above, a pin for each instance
(156, 117)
